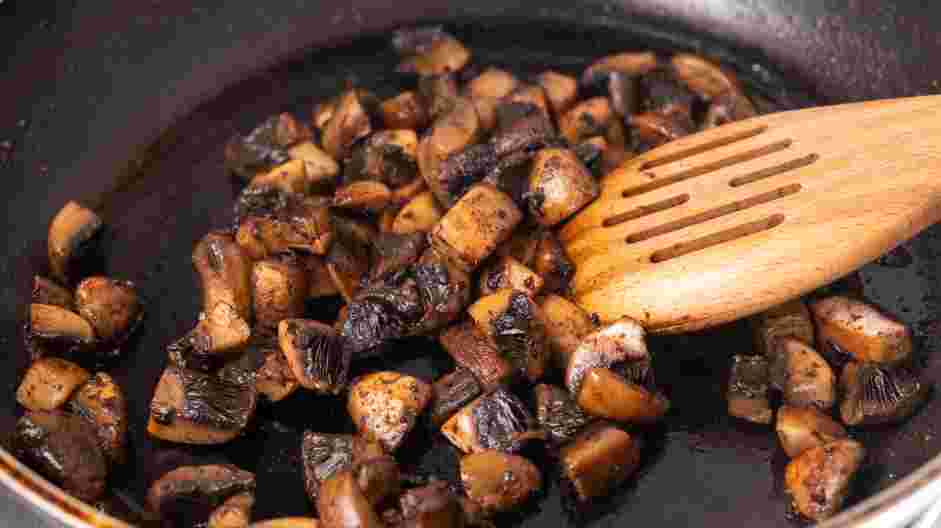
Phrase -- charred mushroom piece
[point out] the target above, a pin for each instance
(193, 407)
(551, 263)
(507, 272)
(348, 265)
(558, 414)
(588, 118)
(624, 92)
(418, 216)
(791, 319)
(349, 122)
(101, 401)
(396, 252)
(607, 394)
(521, 129)
(461, 170)
(49, 383)
(342, 504)
(224, 272)
(439, 93)
(385, 406)
(378, 478)
(561, 91)
(431, 506)
(64, 448)
(263, 201)
(404, 111)
(320, 170)
(324, 455)
(303, 225)
(559, 186)
(498, 481)
(429, 51)
(235, 512)
(515, 323)
(390, 157)
(264, 147)
(498, 420)
(54, 325)
(319, 281)
(218, 333)
(451, 133)
(371, 196)
(450, 393)
(599, 459)
(470, 348)
(188, 494)
(747, 394)
(531, 94)
(591, 153)
(875, 394)
(72, 239)
(279, 289)
(46, 291)
(565, 324)
(662, 94)
(111, 306)
(818, 480)
(631, 63)
(274, 378)
(471, 230)
(802, 375)
(617, 344)
(861, 330)
(318, 357)
(803, 428)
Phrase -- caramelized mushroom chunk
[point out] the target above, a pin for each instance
(861, 330)
(498, 481)
(791, 319)
(632, 63)
(262, 148)
(747, 395)
(431, 506)
(111, 306)
(876, 394)
(405, 110)
(802, 375)
(599, 459)
(72, 241)
(235, 512)
(803, 428)
(318, 357)
(515, 323)
(507, 272)
(324, 455)
(619, 343)
(566, 324)
(188, 494)
(341, 503)
(46, 291)
(470, 348)
(349, 122)
(450, 134)
(558, 414)
(559, 186)
(49, 382)
(429, 51)
(101, 401)
(498, 420)
(279, 289)
(274, 378)
(56, 326)
(385, 406)
(819, 479)
(450, 393)
(224, 272)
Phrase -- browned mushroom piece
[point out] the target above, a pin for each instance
(791, 319)
(802, 375)
(304, 225)
(877, 394)
(319, 281)
(861, 330)
(347, 265)
(46, 291)
(235, 512)
(819, 479)
(521, 129)
(101, 401)
(599, 459)
(728, 108)
(497, 420)
(515, 323)
(320, 170)
(54, 326)
(366, 195)
(429, 51)
(49, 382)
(404, 194)
(279, 289)
(378, 478)
(290, 176)
(348, 123)
(593, 153)
(588, 118)
(224, 272)
(558, 414)
(386, 405)
(747, 394)
(654, 129)
(531, 94)
(451, 133)
(507, 272)
(559, 186)
(217, 335)
(193, 407)
(492, 82)
(803, 428)
(561, 91)
(431, 506)
(323, 455)
(498, 481)
(342, 504)
(112, 306)
(323, 111)
(72, 240)
(618, 344)
(419, 215)
(187, 495)
(389, 156)
(248, 237)
(632, 63)
(565, 324)
(317, 356)
(404, 111)
(288, 522)
(463, 169)
(264, 147)
(551, 263)
(395, 252)
(439, 93)
(471, 230)
(612, 395)
(624, 92)
(64, 448)
(471, 349)
(274, 378)
(451, 393)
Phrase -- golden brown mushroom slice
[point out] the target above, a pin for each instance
(599, 459)
(471, 349)
(586, 119)
(224, 272)
(608, 394)
(747, 394)
(802, 375)
(497, 420)
(187, 495)
(64, 448)
(56, 326)
(498, 481)
(193, 407)
(566, 324)
(450, 134)
(861, 330)
(419, 215)
(515, 323)
(803, 428)
(279, 289)
(791, 319)
(386, 405)
(101, 401)
(288, 522)
(561, 91)
(49, 382)
(320, 170)
(634, 63)
(558, 414)
(112, 306)
(274, 378)
(235, 512)
(46, 291)
(440, 93)
(318, 357)
(404, 111)
(429, 51)
(559, 186)
(341, 503)
(509, 273)
(819, 479)
(72, 239)
(876, 394)
(348, 123)
(324, 454)
(431, 506)
(451, 393)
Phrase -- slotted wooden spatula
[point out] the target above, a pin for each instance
(731, 221)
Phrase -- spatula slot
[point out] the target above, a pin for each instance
(774, 171)
(703, 147)
(645, 210)
(726, 235)
(740, 157)
(705, 216)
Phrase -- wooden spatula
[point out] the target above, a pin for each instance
(739, 218)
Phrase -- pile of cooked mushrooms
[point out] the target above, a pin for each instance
(433, 213)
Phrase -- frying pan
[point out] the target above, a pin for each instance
(126, 106)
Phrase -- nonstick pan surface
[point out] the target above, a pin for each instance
(700, 466)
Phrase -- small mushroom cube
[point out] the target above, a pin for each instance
(599, 459)
(861, 330)
(324, 455)
(217, 334)
(235, 512)
(57, 327)
(559, 186)
(73, 235)
(49, 383)
(608, 394)
(747, 394)
(473, 350)
(588, 118)
(802, 375)
(225, 273)
(791, 319)
(451, 133)
(558, 414)
(46, 291)
(803, 428)
(112, 306)
(497, 420)
(318, 357)
(348, 123)
(819, 479)
(561, 91)
(420, 214)
(404, 111)
(450, 393)
(274, 378)
(279, 289)
(499, 481)
(366, 195)
(874, 393)
(386, 405)
(566, 324)
(429, 51)
(342, 503)
(432, 506)
(514, 322)
(320, 170)
(507, 272)
(101, 401)
(471, 230)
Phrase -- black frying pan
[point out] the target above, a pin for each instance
(128, 106)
